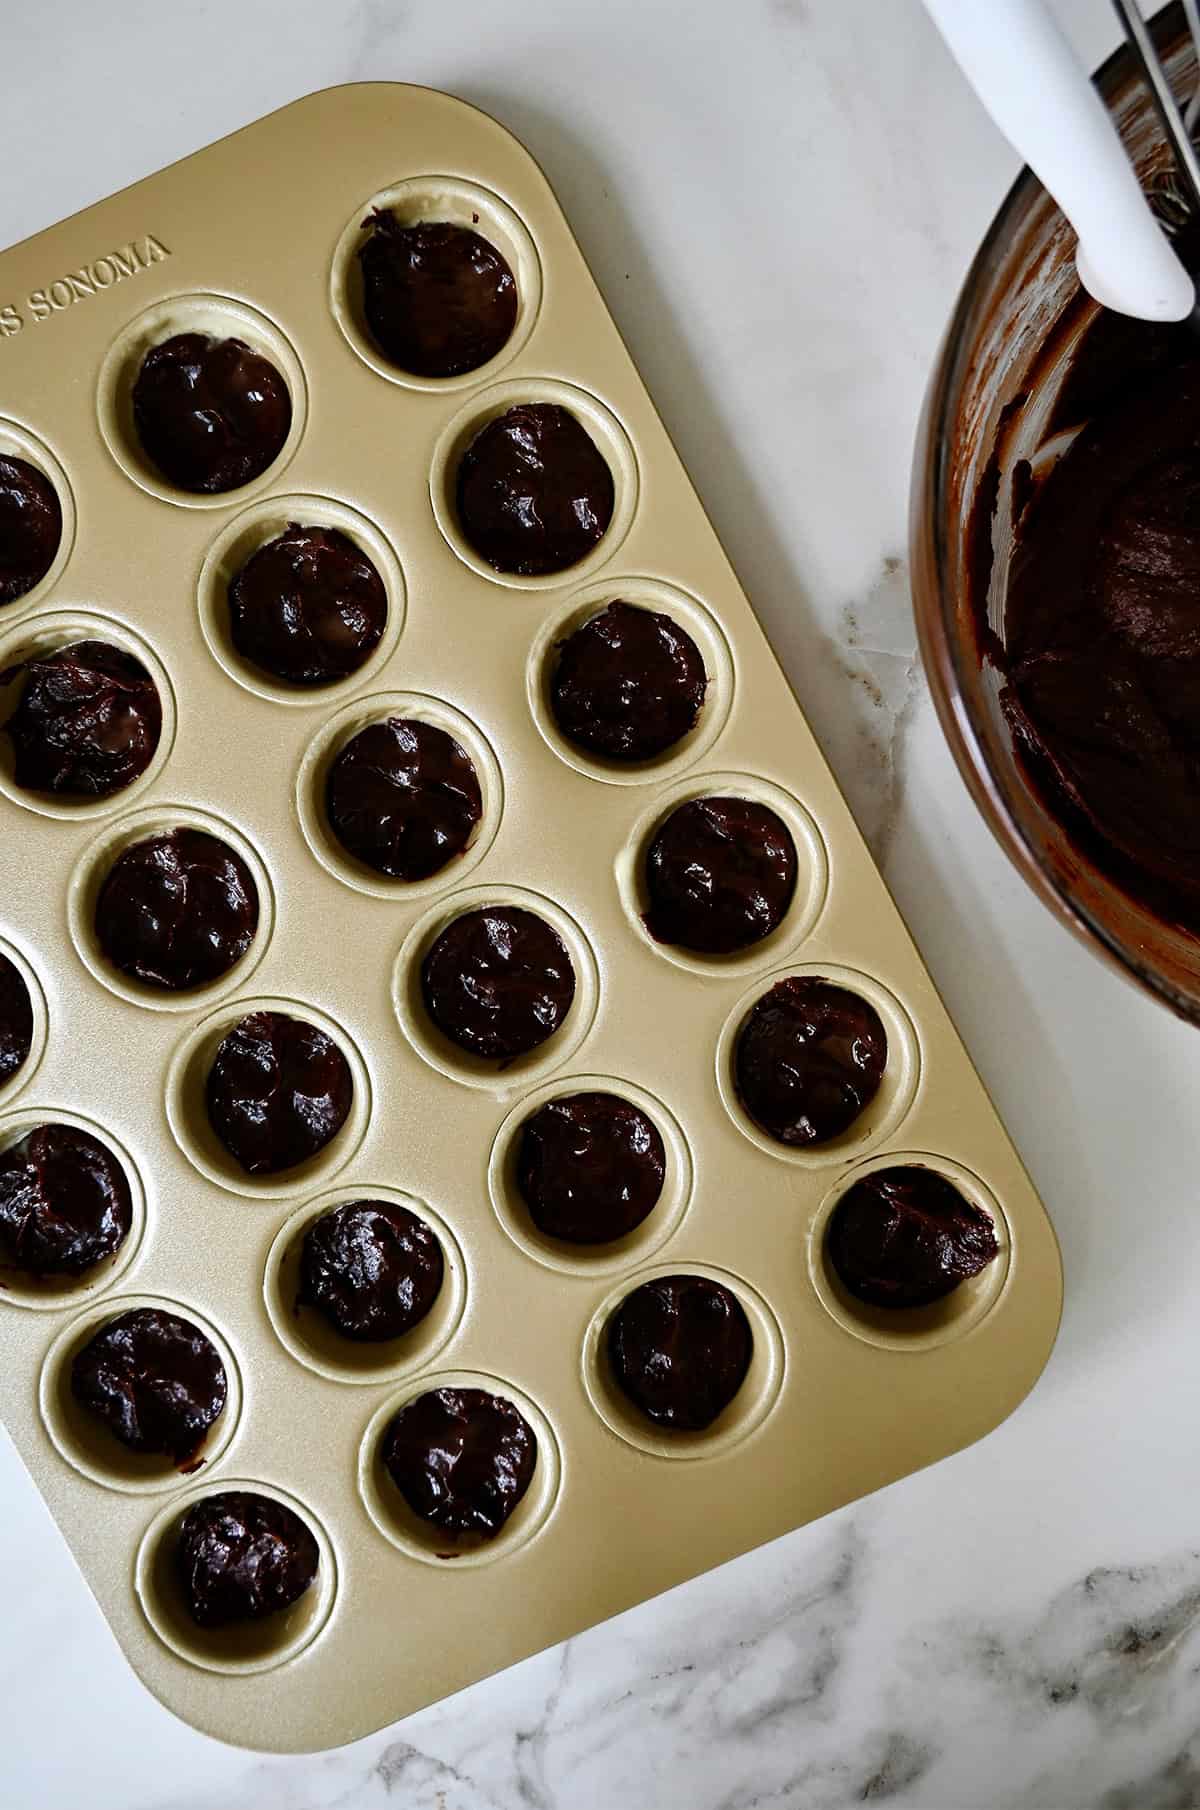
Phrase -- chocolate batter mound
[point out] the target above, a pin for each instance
(1102, 625)
(211, 413)
(278, 1091)
(65, 1203)
(905, 1237)
(177, 910)
(403, 797)
(372, 1268)
(242, 1556)
(590, 1167)
(498, 981)
(720, 875)
(809, 1057)
(534, 492)
(679, 1347)
(154, 1380)
(16, 1020)
(30, 527)
(462, 1459)
(87, 723)
(439, 299)
(309, 607)
(628, 684)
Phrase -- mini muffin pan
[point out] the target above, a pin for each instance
(256, 236)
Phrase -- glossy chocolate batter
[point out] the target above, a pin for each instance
(628, 684)
(1102, 627)
(462, 1459)
(177, 910)
(211, 413)
(372, 1268)
(720, 875)
(590, 1167)
(154, 1380)
(65, 1203)
(309, 607)
(16, 1020)
(242, 1556)
(87, 722)
(498, 981)
(403, 797)
(439, 299)
(30, 527)
(809, 1057)
(278, 1091)
(904, 1237)
(679, 1347)
(534, 491)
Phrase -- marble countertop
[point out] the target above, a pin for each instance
(779, 199)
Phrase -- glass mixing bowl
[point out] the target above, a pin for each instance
(977, 422)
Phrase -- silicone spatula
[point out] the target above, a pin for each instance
(1021, 66)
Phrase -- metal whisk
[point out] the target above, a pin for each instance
(1176, 125)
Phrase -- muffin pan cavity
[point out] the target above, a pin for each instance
(757, 1395)
(45, 634)
(417, 1538)
(315, 1342)
(312, 788)
(215, 317)
(512, 1210)
(88, 1446)
(426, 200)
(684, 612)
(807, 898)
(603, 429)
(21, 443)
(138, 830)
(880, 1118)
(912, 1329)
(240, 1648)
(254, 529)
(191, 1126)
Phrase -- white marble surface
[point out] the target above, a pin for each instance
(778, 198)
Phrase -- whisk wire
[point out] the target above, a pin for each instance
(1172, 120)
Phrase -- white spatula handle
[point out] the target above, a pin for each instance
(1023, 70)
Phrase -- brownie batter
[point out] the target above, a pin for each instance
(65, 1203)
(372, 1268)
(628, 684)
(534, 492)
(403, 798)
(590, 1167)
(498, 981)
(177, 910)
(30, 527)
(87, 723)
(462, 1459)
(211, 413)
(309, 607)
(242, 1556)
(16, 1020)
(809, 1057)
(679, 1347)
(278, 1091)
(439, 299)
(154, 1380)
(720, 875)
(1102, 624)
(905, 1237)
